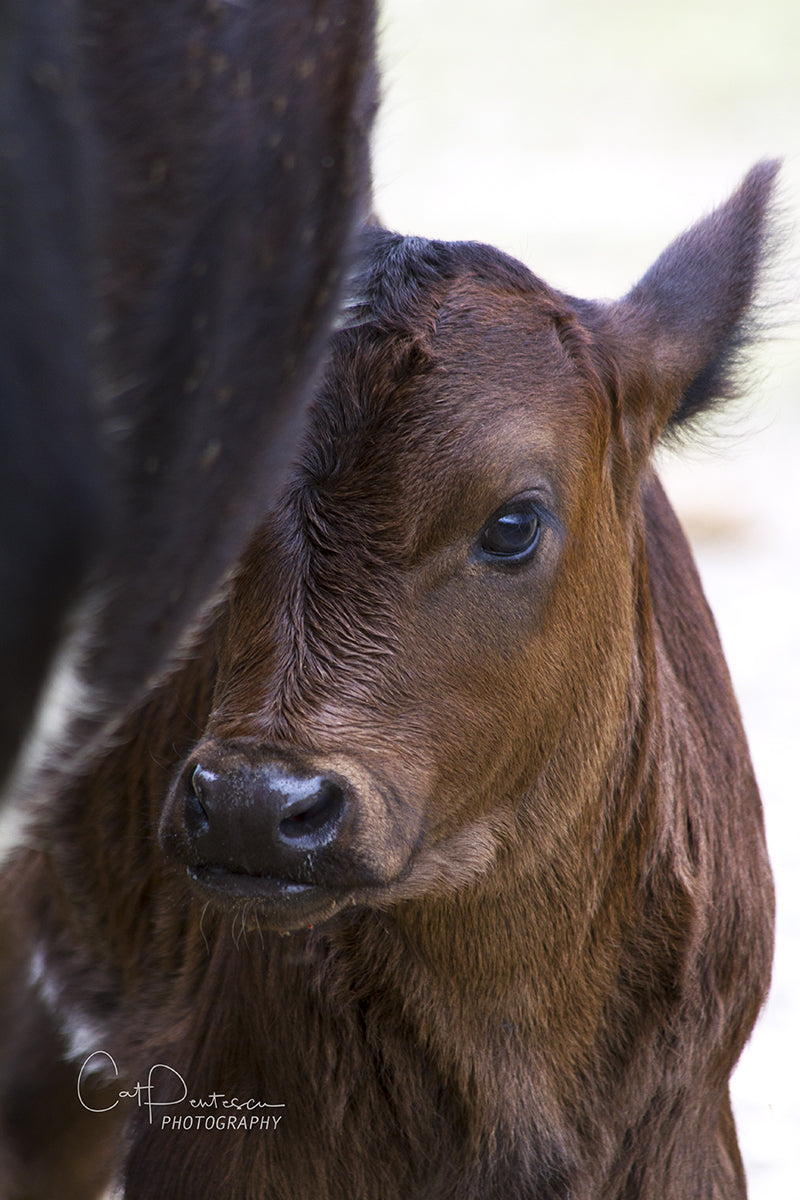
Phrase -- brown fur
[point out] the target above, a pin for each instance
(527, 953)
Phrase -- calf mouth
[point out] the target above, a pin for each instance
(286, 902)
(280, 904)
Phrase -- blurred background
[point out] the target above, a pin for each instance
(581, 138)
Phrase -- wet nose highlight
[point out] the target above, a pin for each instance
(195, 812)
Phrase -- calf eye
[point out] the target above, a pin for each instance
(512, 534)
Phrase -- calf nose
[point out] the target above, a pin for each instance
(264, 820)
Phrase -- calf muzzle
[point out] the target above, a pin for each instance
(263, 821)
(275, 826)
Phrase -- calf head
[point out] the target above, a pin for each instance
(435, 653)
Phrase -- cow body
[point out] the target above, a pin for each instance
(182, 183)
(448, 839)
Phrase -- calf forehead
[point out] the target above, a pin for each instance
(505, 386)
(478, 402)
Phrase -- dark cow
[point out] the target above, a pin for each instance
(181, 183)
(446, 845)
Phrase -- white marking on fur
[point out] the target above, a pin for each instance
(82, 1035)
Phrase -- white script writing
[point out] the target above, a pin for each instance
(166, 1080)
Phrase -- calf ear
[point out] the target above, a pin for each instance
(676, 340)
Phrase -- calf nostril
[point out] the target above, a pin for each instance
(195, 814)
(320, 812)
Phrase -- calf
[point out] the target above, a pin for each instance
(446, 847)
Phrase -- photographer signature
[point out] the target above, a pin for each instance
(166, 1079)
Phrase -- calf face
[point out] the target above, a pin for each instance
(439, 650)
(437, 575)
